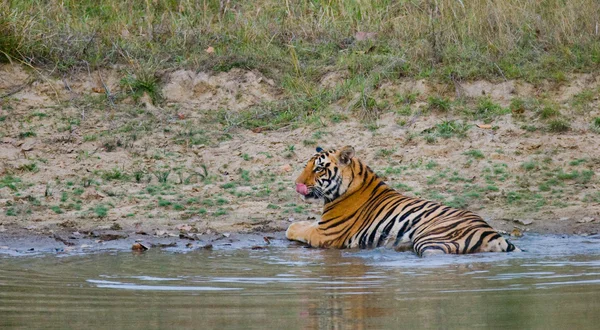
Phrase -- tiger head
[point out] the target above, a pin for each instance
(323, 176)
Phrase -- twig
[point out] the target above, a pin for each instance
(107, 92)
(16, 89)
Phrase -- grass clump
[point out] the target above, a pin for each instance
(548, 111)
(487, 110)
(474, 153)
(437, 103)
(450, 128)
(100, 210)
(559, 126)
(596, 124)
(452, 40)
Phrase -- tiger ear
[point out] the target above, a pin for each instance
(346, 155)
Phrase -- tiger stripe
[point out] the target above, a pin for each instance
(362, 211)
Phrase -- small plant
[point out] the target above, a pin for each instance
(549, 111)
(529, 128)
(577, 162)
(487, 110)
(383, 153)
(458, 202)
(437, 103)
(56, 209)
(27, 134)
(138, 176)
(114, 174)
(517, 106)
(596, 125)
(145, 82)
(586, 176)
(246, 157)
(558, 126)
(163, 202)
(431, 165)
(528, 166)
(30, 167)
(430, 139)
(408, 98)
(162, 176)
(229, 185)
(245, 175)
(289, 151)
(474, 153)
(90, 138)
(220, 212)
(449, 128)
(100, 210)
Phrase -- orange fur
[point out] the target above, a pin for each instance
(360, 210)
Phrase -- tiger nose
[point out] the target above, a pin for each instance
(301, 188)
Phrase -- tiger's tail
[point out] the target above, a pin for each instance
(510, 247)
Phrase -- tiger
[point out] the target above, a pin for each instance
(361, 211)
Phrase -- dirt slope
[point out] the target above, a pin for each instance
(71, 159)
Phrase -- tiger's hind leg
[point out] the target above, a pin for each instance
(432, 248)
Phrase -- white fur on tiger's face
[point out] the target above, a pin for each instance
(322, 178)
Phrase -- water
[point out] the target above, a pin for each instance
(554, 285)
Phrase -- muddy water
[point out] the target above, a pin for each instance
(554, 285)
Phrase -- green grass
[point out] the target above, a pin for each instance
(549, 111)
(100, 210)
(529, 166)
(294, 41)
(384, 153)
(474, 153)
(437, 103)
(56, 209)
(487, 110)
(559, 126)
(12, 182)
(114, 174)
(596, 124)
(450, 128)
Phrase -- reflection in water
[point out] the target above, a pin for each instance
(556, 284)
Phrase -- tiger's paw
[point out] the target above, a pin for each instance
(298, 231)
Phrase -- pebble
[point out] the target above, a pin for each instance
(586, 220)
(525, 222)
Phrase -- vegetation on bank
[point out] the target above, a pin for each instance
(296, 43)
(294, 40)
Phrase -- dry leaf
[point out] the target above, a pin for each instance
(484, 126)
(210, 50)
(98, 90)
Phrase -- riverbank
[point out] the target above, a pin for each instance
(81, 154)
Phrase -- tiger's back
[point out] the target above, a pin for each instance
(361, 211)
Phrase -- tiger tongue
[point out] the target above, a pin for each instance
(301, 189)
